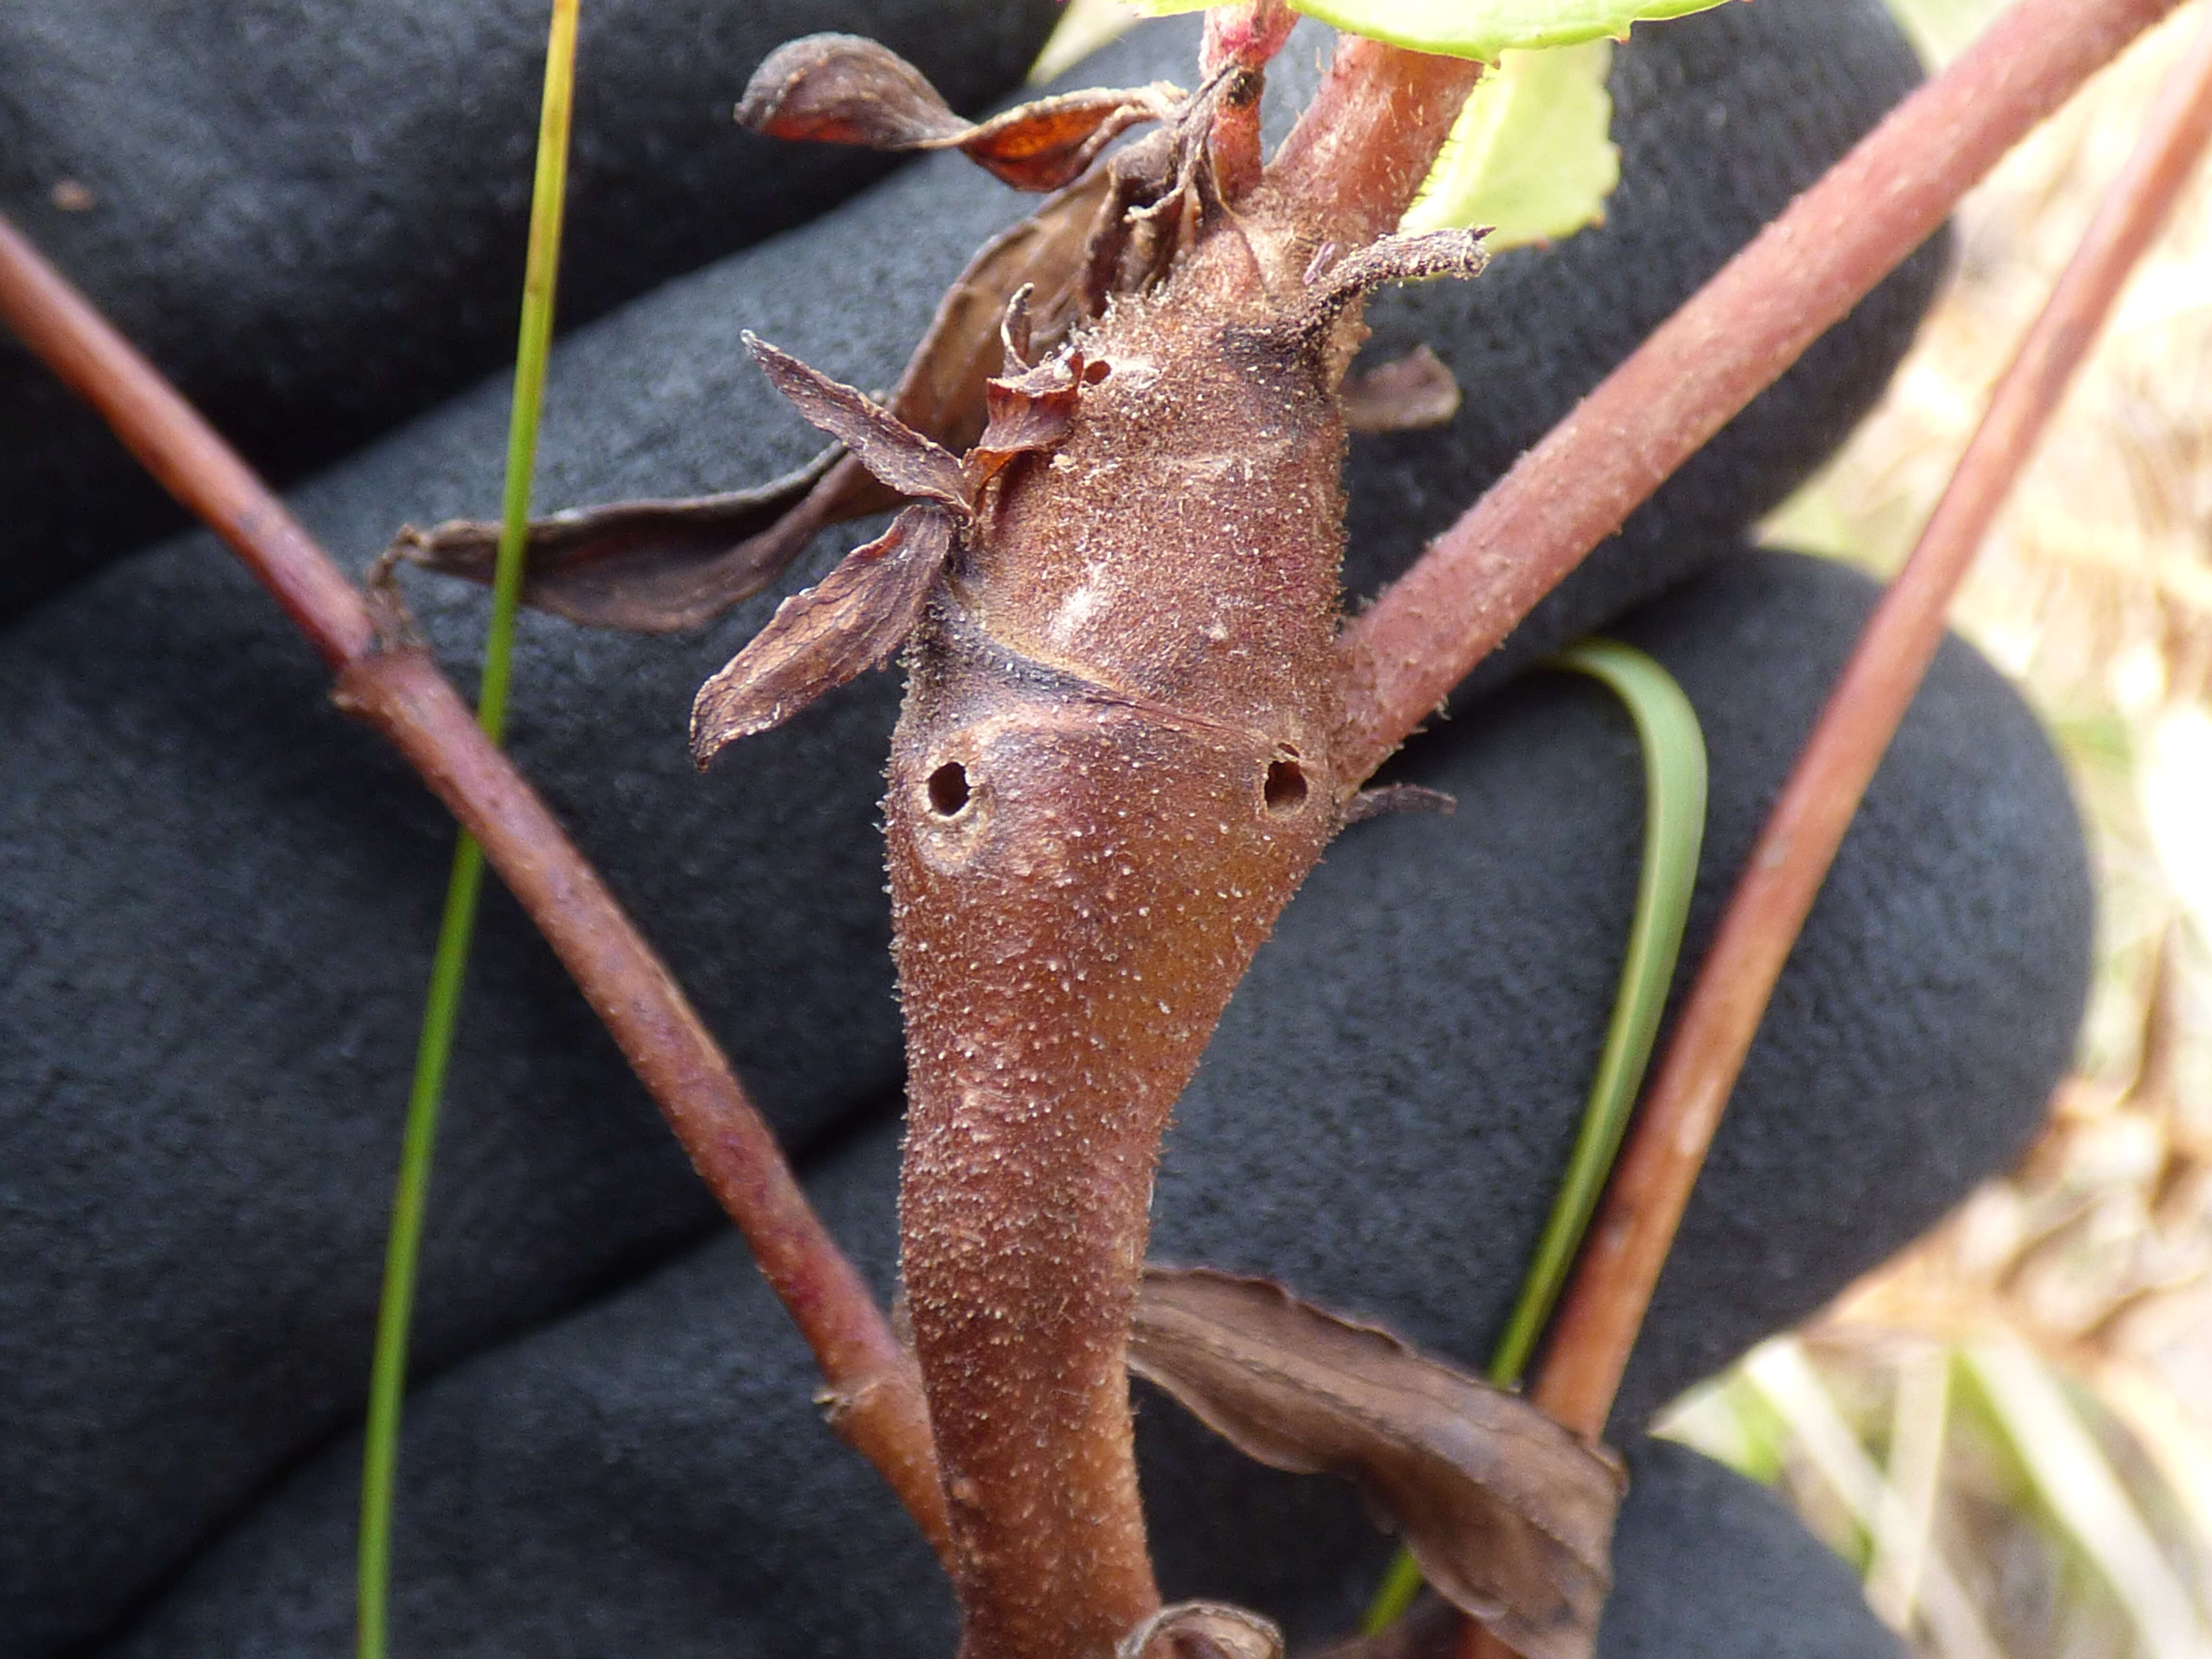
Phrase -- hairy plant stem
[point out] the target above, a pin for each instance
(1729, 343)
(876, 1398)
(1354, 162)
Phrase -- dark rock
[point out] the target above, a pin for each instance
(311, 214)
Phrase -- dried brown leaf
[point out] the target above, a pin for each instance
(941, 393)
(849, 622)
(901, 457)
(657, 565)
(1404, 395)
(648, 566)
(1044, 145)
(1014, 341)
(1027, 412)
(842, 89)
(1509, 1516)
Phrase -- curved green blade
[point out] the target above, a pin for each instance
(1674, 833)
(449, 969)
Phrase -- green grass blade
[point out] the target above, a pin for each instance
(388, 1369)
(449, 969)
(1674, 832)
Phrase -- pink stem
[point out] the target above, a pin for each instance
(876, 1394)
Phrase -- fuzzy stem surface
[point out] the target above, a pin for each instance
(1356, 159)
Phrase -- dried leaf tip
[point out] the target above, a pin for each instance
(1508, 1515)
(886, 445)
(842, 89)
(849, 622)
(1420, 257)
(845, 89)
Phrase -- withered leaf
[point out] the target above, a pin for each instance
(1029, 411)
(1043, 145)
(647, 566)
(1014, 332)
(898, 455)
(658, 566)
(842, 89)
(1508, 1515)
(1404, 395)
(849, 622)
(845, 89)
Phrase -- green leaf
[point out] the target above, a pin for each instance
(1530, 156)
(1476, 28)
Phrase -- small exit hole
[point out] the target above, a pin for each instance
(1096, 371)
(1285, 790)
(948, 789)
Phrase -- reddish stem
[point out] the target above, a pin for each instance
(877, 1402)
(1605, 1303)
(1733, 339)
(1248, 36)
(1352, 165)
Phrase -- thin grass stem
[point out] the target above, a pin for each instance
(449, 968)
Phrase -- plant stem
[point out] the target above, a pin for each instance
(456, 928)
(877, 1402)
(1732, 340)
(1613, 1282)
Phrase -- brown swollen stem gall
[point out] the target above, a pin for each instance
(1111, 771)
(1115, 762)
(1113, 767)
